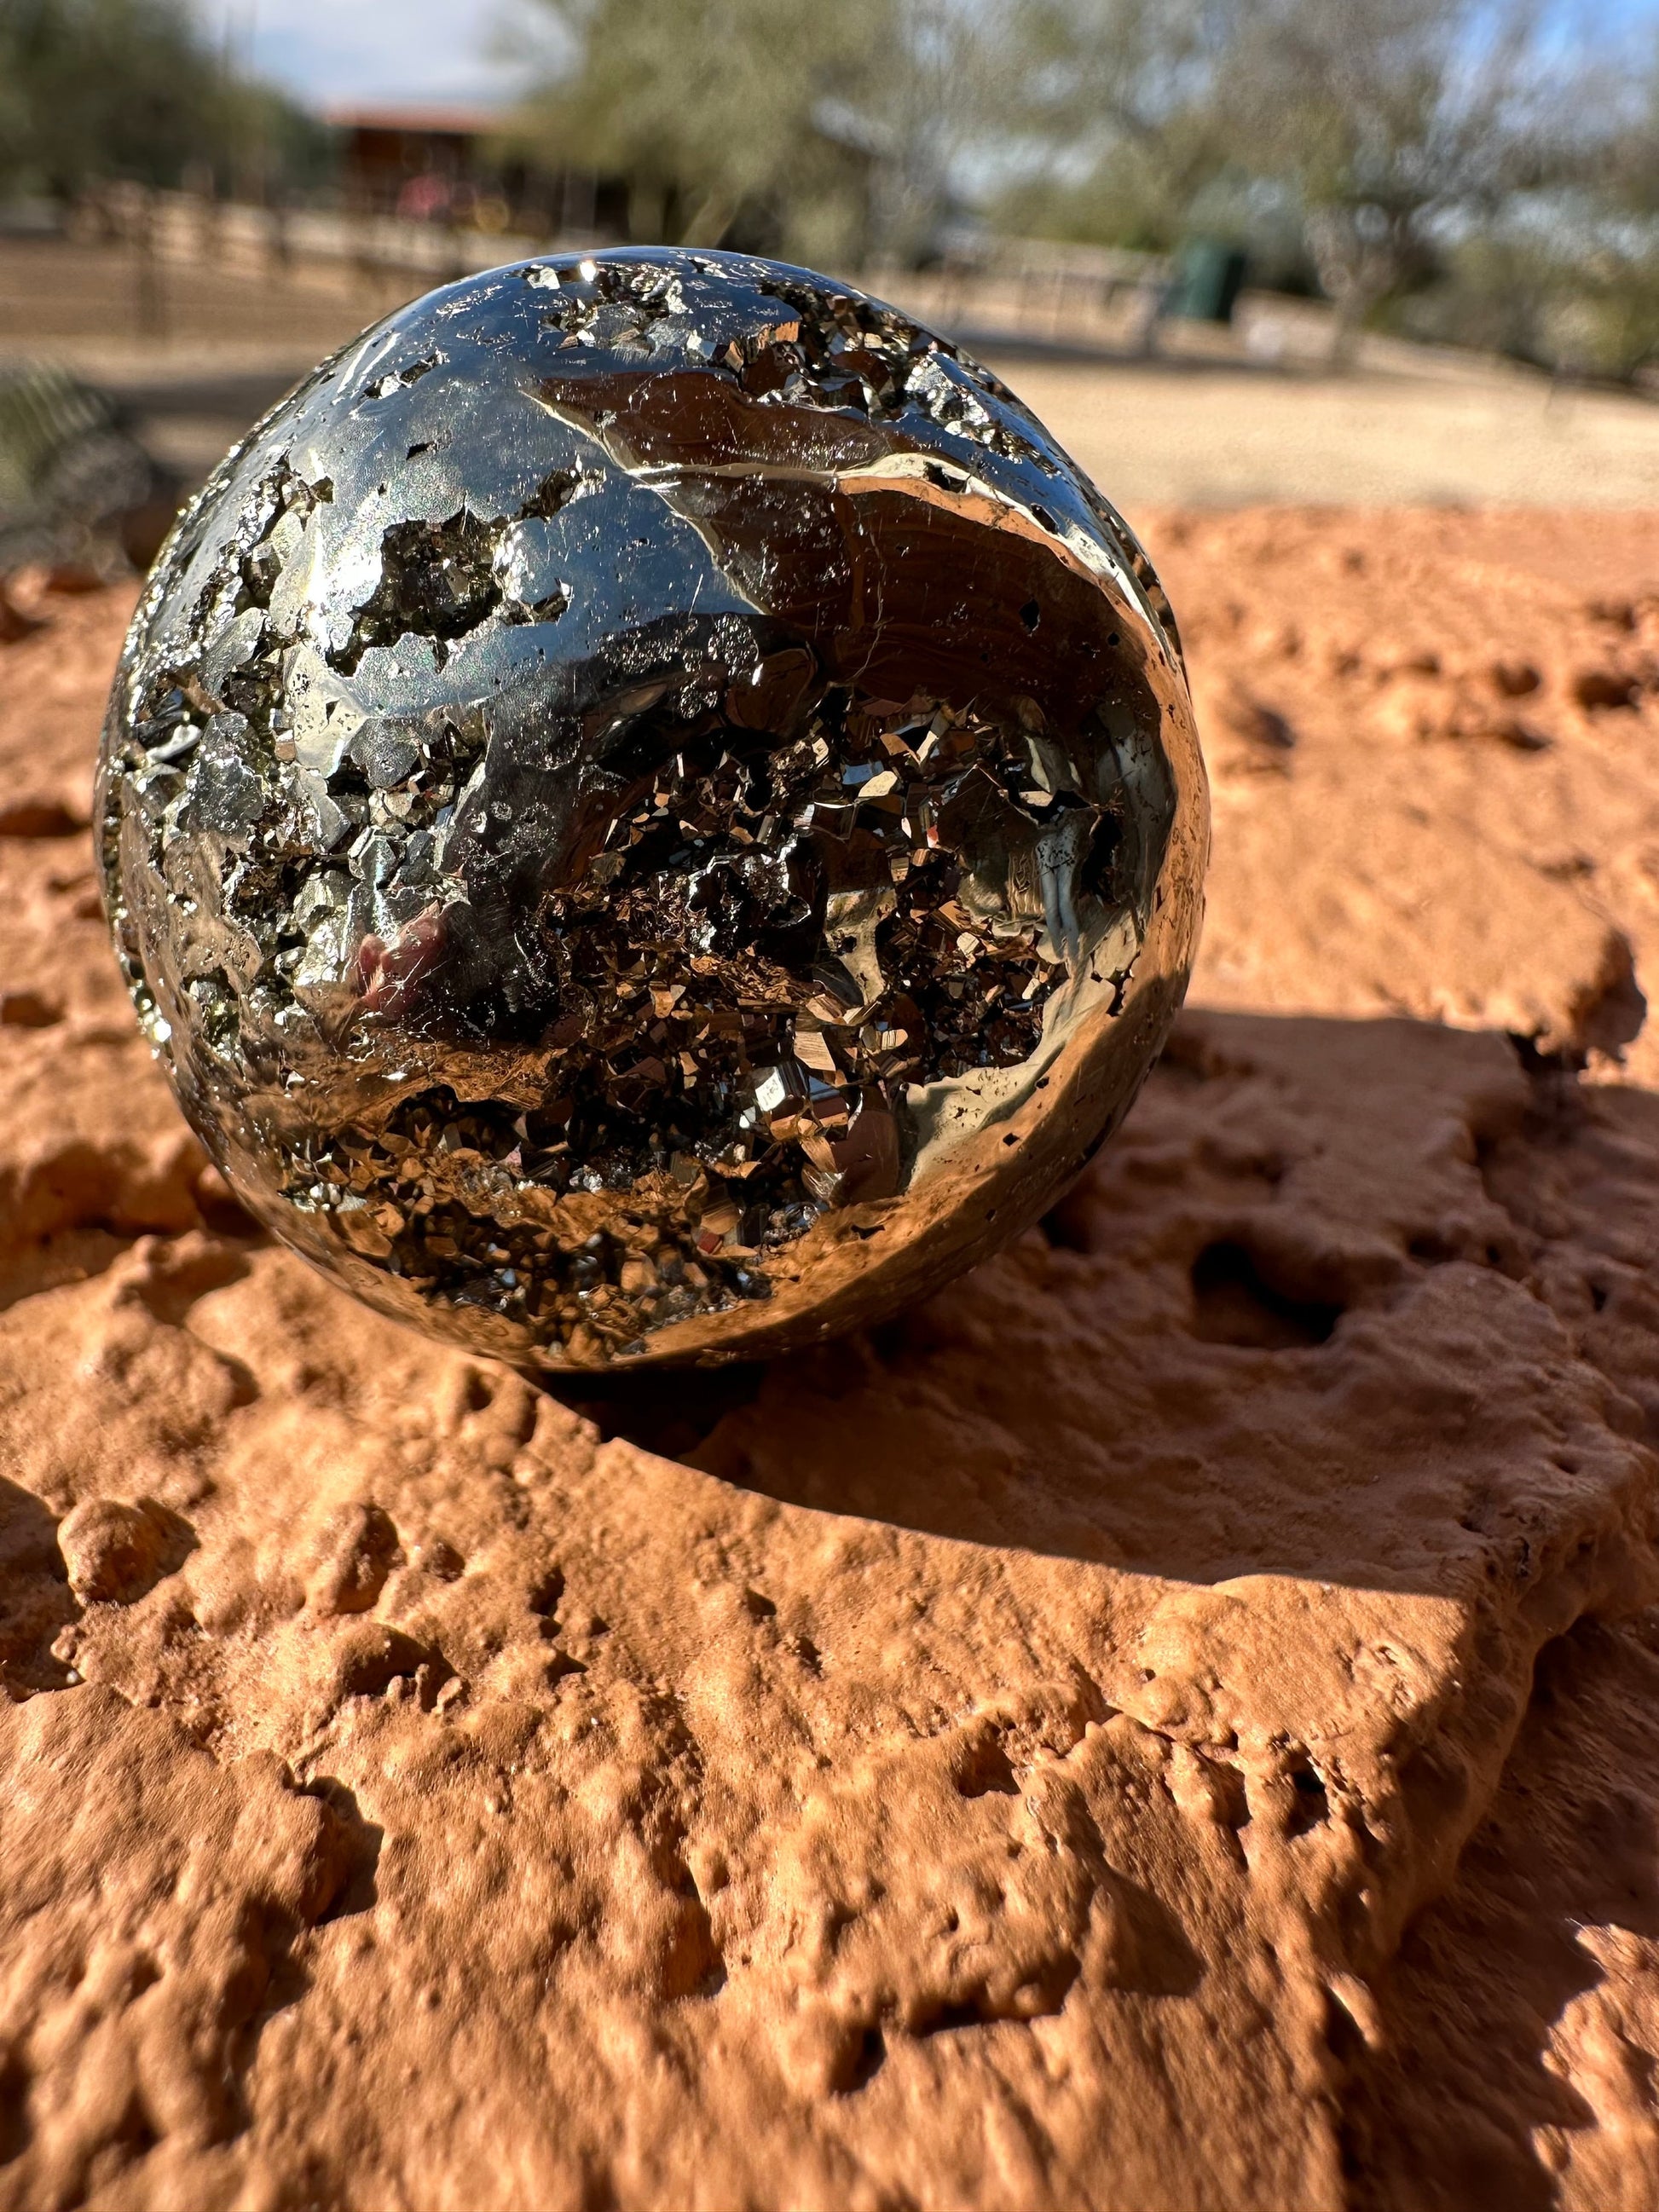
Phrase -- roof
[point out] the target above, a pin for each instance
(416, 115)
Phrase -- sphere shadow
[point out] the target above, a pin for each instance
(1451, 2107)
(1353, 1303)
(1319, 1251)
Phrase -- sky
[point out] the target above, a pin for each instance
(333, 51)
(340, 50)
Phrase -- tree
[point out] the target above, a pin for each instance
(829, 131)
(1399, 123)
(1395, 129)
(1610, 232)
(97, 89)
(1120, 98)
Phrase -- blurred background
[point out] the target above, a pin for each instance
(1328, 251)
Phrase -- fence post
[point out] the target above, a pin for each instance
(149, 294)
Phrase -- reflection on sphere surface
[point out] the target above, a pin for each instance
(651, 812)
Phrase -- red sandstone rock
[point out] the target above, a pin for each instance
(1080, 1747)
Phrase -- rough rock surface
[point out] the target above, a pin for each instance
(1442, 724)
(1169, 1724)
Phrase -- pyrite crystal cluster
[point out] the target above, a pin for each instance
(650, 812)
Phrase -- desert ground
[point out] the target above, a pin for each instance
(1208, 423)
(1171, 1723)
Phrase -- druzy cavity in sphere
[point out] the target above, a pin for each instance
(651, 813)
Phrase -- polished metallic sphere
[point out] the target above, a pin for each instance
(650, 812)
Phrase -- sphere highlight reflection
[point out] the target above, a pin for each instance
(651, 813)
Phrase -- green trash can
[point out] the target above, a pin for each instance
(1206, 280)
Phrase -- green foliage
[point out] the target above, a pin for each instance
(824, 131)
(706, 108)
(1570, 293)
(1418, 156)
(97, 89)
(1393, 121)
(1129, 86)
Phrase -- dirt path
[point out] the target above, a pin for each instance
(1457, 432)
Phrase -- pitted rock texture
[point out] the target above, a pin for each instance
(1519, 2034)
(1168, 1722)
(1448, 720)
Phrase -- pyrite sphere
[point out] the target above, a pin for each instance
(651, 813)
